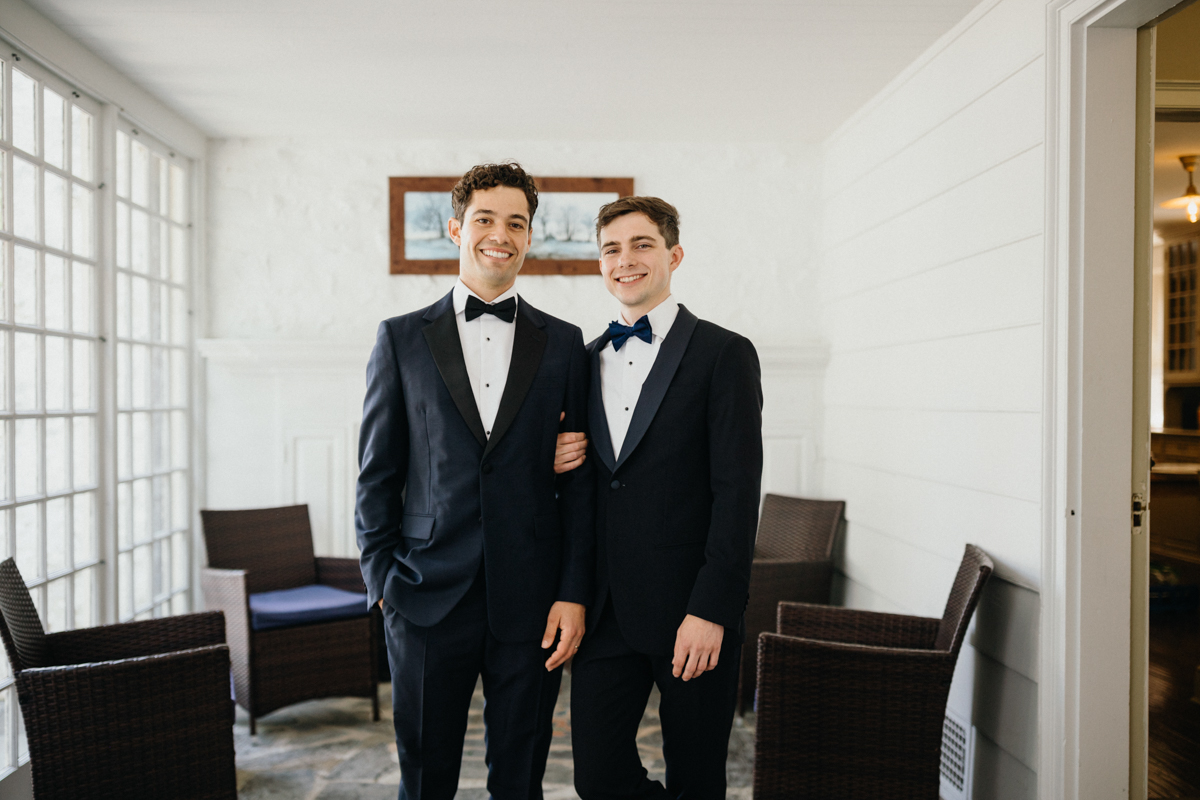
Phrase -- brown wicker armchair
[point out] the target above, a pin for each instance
(134, 710)
(851, 703)
(793, 561)
(270, 549)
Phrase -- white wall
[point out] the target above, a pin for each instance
(930, 276)
(298, 275)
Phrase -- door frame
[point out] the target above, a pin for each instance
(1088, 701)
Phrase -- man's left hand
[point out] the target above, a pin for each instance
(697, 645)
(568, 618)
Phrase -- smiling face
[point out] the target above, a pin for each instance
(492, 240)
(637, 264)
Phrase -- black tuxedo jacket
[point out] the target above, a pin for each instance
(677, 508)
(436, 497)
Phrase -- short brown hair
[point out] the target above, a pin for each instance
(489, 176)
(660, 212)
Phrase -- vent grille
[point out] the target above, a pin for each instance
(956, 758)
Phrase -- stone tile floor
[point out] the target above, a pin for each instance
(330, 750)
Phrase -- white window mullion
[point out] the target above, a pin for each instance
(45, 488)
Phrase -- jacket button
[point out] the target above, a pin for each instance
(487, 469)
(615, 485)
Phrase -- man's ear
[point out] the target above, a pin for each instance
(454, 227)
(676, 256)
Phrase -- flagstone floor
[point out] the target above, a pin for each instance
(330, 750)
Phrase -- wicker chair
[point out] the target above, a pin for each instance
(851, 703)
(793, 561)
(140, 709)
(270, 549)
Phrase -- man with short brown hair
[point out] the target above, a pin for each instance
(479, 555)
(676, 440)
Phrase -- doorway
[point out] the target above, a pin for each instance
(1172, 690)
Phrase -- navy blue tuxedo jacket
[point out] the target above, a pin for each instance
(677, 508)
(436, 497)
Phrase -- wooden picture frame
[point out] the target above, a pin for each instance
(554, 264)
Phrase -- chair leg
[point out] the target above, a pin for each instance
(253, 727)
(375, 704)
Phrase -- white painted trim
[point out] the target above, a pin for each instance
(285, 353)
(1068, 754)
(294, 353)
(65, 56)
(1177, 94)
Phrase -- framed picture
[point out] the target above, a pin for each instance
(564, 227)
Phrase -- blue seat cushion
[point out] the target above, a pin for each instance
(304, 604)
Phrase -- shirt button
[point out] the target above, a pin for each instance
(487, 385)
(626, 408)
(487, 469)
(631, 363)
(615, 485)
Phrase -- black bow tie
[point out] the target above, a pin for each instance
(505, 309)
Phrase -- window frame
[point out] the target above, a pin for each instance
(107, 118)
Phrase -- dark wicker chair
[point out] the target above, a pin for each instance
(140, 709)
(851, 703)
(268, 549)
(793, 561)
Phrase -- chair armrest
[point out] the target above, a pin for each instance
(164, 721)
(820, 701)
(225, 590)
(134, 639)
(341, 573)
(850, 626)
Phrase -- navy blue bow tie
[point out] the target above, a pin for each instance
(618, 333)
(505, 309)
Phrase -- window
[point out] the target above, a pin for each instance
(74, 372)
(152, 327)
(49, 426)
(1181, 308)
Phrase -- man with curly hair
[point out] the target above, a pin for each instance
(480, 556)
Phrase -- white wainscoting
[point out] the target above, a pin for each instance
(282, 422)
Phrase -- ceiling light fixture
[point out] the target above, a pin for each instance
(1190, 198)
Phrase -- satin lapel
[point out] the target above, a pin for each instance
(528, 344)
(597, 418)
(658, 381)
(442, 336)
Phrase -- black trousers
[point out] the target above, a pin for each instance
(610, 684)
(434, 671)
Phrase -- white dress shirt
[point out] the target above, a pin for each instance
(623, 372)
(487, 344)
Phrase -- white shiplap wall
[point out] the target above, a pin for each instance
(930, 278)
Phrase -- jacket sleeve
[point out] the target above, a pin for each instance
(576, 489)
(383, 466)
(735, 474)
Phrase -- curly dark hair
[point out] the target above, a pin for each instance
(660, 212)
(489, 176)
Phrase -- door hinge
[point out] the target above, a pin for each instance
(1138, 510)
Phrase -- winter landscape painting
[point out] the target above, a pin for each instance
(564, 227)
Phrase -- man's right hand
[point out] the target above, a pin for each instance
(381, 604)
(571, 450)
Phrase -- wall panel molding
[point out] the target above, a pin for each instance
(283, 418)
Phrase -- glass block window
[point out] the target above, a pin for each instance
(1181, 308)
(152, 336)
(49, 349)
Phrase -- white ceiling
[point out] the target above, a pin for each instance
(635, 70)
